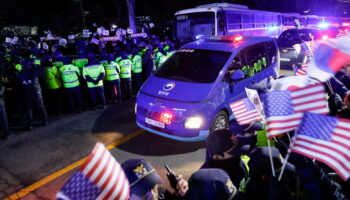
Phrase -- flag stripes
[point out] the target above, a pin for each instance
(245, 112)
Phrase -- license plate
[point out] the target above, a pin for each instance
(154, 123)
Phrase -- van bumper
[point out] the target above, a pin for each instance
(203, 134)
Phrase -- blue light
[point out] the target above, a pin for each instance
(323, 25)
(198, 37)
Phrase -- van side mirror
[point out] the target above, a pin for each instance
(237, 75)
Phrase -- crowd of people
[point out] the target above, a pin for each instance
(238, 168)
(53, 75)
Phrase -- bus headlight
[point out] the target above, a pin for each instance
(193, 122)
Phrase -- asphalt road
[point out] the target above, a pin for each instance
(33, 165)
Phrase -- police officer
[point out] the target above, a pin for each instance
(57, 59)
(136, 70)
(112, 80)
(28, 77)
(70, 77)
(81, 60)
(125, 74)
(94, 73)
(161, 56)
(145, 182)
(147, 61)
(53, 85)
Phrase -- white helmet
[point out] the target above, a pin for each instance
(62, 42)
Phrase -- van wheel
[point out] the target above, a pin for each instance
(220, 121)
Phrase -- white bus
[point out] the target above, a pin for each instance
(227, 19)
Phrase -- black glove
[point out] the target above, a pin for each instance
(100, 77)
(89, 79)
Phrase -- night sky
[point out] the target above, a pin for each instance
(65, 15)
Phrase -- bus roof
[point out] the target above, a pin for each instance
(226, 45)
(214, 7)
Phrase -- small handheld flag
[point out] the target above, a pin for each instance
(284, 109)
(326, 139)
(100, 177)
(245, 111)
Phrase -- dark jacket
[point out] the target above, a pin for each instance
(234, 167)
(28, 77)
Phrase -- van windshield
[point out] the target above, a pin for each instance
(194, 65)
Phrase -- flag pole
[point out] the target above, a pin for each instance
(271, 161)
(268, 141)
(284, 165)
(287, 156)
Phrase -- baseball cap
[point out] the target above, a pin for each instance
(208, 184)
(141, 175)
(223, 141)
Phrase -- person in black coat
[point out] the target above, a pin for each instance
(224, 152)
(28, 77)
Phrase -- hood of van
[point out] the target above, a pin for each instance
(176, 90)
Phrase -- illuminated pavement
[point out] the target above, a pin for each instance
(38, 160)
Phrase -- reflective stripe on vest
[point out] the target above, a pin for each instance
(69, 74)
(111, 72)
(137, 64)
(125, 68)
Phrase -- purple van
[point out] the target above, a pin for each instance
(189, 95)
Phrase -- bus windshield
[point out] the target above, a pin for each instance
(194, 65)
(188, 26)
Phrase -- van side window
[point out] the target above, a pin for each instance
(256, 59)
(272, 53)
(238, 63)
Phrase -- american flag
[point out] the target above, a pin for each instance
(100, 177)
(245, 111)
(301, 71)
(284, 109)
(326, 139)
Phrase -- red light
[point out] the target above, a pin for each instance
(166, 118)
(238, 38)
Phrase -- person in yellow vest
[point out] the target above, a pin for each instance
(136, 69)
(70, 79)
(57, 59)
(94, 73)
(112, 80)
(53, 86)
(125, 75)
(161, 56)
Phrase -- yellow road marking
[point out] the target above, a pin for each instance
(67, 169)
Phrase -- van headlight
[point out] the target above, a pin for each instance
(193, 122)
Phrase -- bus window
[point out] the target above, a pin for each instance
(259, 21)
(268, 20)
(234, 21)
(248, 21)
(190, 25)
